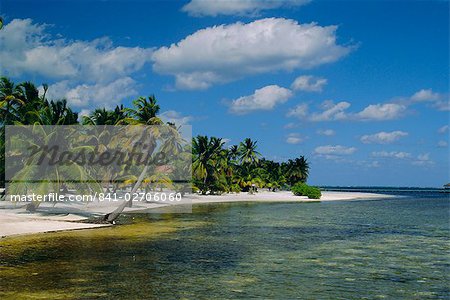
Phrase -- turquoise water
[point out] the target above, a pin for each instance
(386, 249)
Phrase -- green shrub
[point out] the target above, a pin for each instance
(314, 193)
(299, 189)
(302, 189)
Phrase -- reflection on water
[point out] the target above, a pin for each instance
(349, 250)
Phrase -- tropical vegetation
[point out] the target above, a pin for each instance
(240, 168)
(302, 189)
(216, 167)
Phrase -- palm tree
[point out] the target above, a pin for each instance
(150, 173)
(296, 170)
(22, 105)
(118, 114)
(272, 174)
(248, 158)
(144, 111)
(248, 153)
(62, 114)
(51, 177)
(10, 101)
(30, 97)
(233, 153)
(208, 161)
(201, 157)
(101, 116)
(54, 113)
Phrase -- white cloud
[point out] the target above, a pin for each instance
(442, 105)
(99, 95)
(27, 48)
(423, 160)
(265, 98)
(88, 73)
(425, 96)
(442, 144)
(437, 100)
(374, 164)
(423, 157)
(300, 111)
(294, 138)
(326, 132)
(331, 112)
(334, 150)
(226, 140)
(420, 160)
(392, 154)
(433, 99)
(199, 8)
(175, 117)
(290, 126)
(367, 164)
(381, 112)
(83, 113)
(444, 129)
(383, 137)
(309, 83)
(228, 52)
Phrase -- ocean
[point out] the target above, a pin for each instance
(379, 249)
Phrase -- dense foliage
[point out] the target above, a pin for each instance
(302, 189)
(216, 168)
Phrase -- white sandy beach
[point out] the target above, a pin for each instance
(14, 220)
(285, 196)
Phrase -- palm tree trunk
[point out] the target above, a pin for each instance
(111, 217)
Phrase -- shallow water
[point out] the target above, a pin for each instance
(396, 248)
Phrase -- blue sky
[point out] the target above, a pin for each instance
(361, 88)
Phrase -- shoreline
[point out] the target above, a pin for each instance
(287, 196)
(16, 222)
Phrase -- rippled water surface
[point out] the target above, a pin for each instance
(392, 249)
